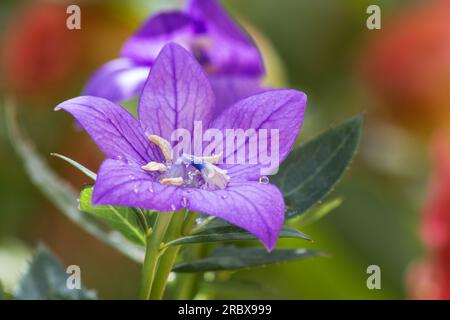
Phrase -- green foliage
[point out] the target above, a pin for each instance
(3, 294)
(121, 219)
(311, 171)
(230, 234)
(317, 212)
(80, 167)
(233, 258)
(308, 174)
(218, 230)
(46, 279)
(58, 191)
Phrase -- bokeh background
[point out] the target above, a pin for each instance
(396, 211)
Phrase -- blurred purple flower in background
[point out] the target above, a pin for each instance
(225, 51)
(140, 172)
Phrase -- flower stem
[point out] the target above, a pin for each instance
(140, 215)
(187, 284)
(168, 258)
(188, 223)
(152, 253)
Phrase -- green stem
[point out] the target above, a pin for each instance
(187, 286)
(168, 258)
(188, 223)
(141, 218)
(152, 253)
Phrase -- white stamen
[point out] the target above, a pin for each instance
(178, 181)
(215, 176)
(212, 159)
(154, 166)
(185, 170)
(163, 144)
(187, 158)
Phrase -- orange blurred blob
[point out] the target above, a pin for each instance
(39, 51)
(44, 60)
(431, 279)
(407, 65)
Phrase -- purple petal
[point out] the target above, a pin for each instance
(118, 80)
(147, 42)
(115, 131)
(229, 89)
(281, 111)
(230, 50)
(126, 184)
(253, 206)
(176, 94)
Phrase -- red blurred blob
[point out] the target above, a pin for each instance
(39, 51)
(431, 279)
(407, 65)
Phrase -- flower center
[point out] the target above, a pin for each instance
(188, 170)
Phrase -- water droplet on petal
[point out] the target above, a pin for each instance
(135, 189)
(173, 207)
(150, 189)
(119, 157)
(264, 180)
(131, 177)
(224, 196)
(184, 202)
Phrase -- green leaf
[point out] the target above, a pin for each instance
(311, 171)
(317, 212)
(122, 219)
(3, 294)
(46, 279)
(58, 191)
(233, 258)
(231, 233)
(212, 225)
(80, 167)
(291, 212)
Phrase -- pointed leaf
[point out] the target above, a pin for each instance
(233, 258)
(46, 279)
(291, 212)
(80, 167)
(317, 212)
(311, 171)
(121, 219)
(58, 191)
(230, 233)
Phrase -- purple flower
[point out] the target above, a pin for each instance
(141, 171)
(225, 51)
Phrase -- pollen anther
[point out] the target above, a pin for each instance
(163, 144)
(154, 166)
(178, 181)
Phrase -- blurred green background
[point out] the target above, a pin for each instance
(321, 47)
